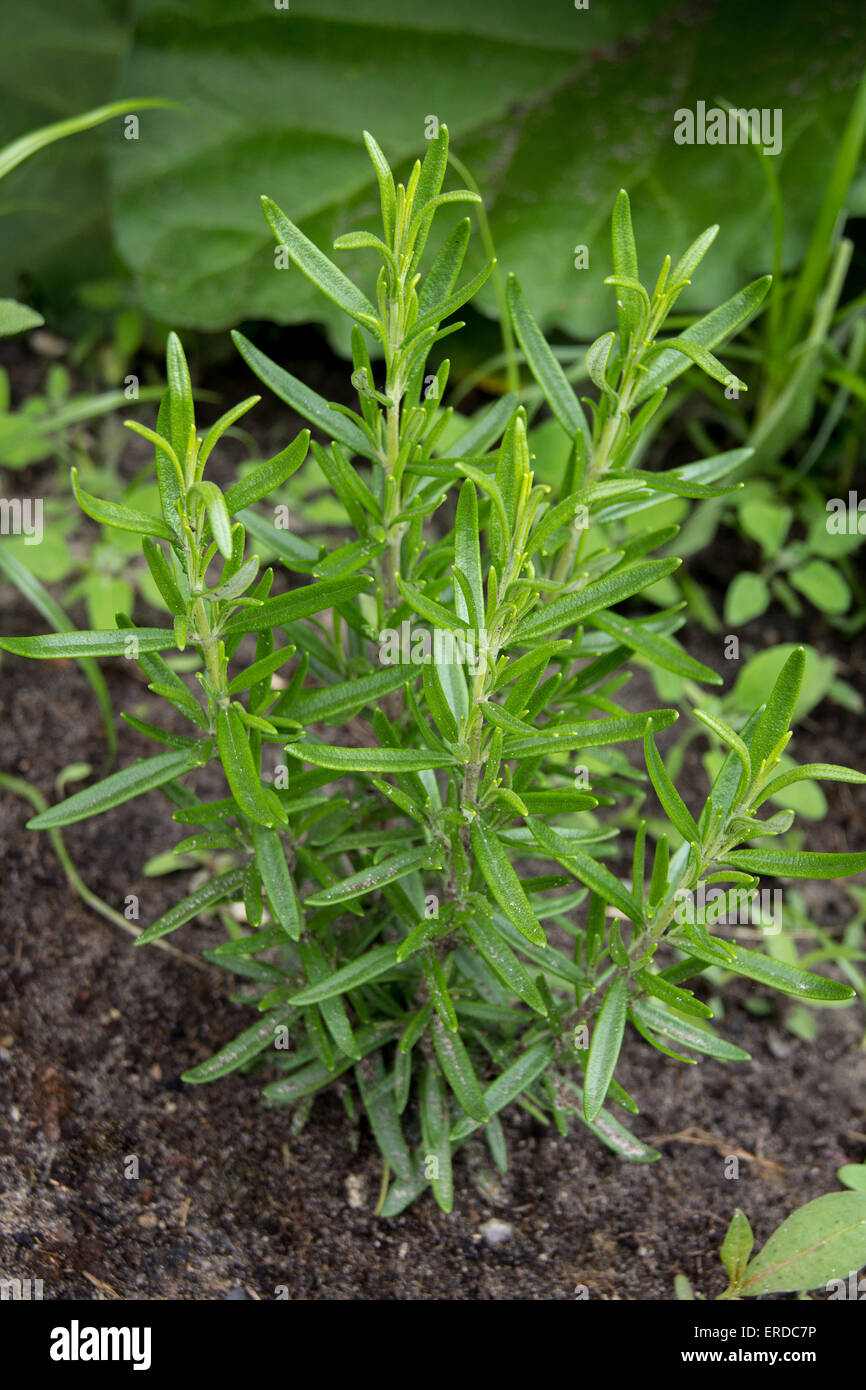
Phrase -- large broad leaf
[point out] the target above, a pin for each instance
(825, 1240)
(276, 101)
(17, 318)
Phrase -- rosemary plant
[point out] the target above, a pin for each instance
(430, 898)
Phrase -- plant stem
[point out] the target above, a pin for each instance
(18, 787)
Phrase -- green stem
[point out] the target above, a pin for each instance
(18, 787)
(509, 347)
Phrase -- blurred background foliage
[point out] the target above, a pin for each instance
(551, 108)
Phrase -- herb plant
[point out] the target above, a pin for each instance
(435, 773)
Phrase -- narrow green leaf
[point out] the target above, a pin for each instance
(503, 962)
(313, 1077)
(691, 259)
(219, 427)
(502, 880)
(438, 989)
(557, 802)
(435, 613)
(181, 411)
(737, 1246)
(318, 268)
(594, 874)
(268, 477)
(277, 880)
(217, 514)
(455, 301)
(616, 1137)
(239, 582)
(625, 264)
(433, 169)
(296, 604)
(368, 967)
(708, 332)
(511, 1083)
(368, 759)
(378, 1101)
(604, 1047)
(573, 608)
(544, 366)
(336, 703)
(467, 552)
(667, 793)
(333, 1010)
(301, 398)
(700, 1039)
(167, 463)
(660, 650)
(242, 774)
(796, 863)
(732, 739)
(597, 358)
(119, 787)
(228, 885)
(113, 642)
(32, 141)
(435, 1124)
(788, 979)
(122, 517)
(240, 1050)
(776, 719)
(671, 481)
(387, 192)
(459, 1071)
(588, 733)
(441, 278)
(163, 577)
(705, 360)
(682, 999)
(368, 880)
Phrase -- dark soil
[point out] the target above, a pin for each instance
(94, 1036)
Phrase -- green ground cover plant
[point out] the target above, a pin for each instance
(821, 1245)
(420, 736)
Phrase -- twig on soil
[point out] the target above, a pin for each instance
(693, 1135)
(105, 1289)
